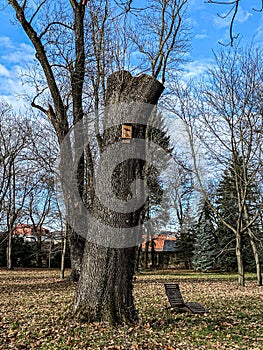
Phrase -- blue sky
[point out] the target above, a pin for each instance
(16, 51)
(209, 29)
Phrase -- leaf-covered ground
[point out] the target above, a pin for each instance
(33, 304)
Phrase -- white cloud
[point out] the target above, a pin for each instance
(4, 71)
(201, 36)
(6, 42)
(21, 53)
(224, 19)
(14, 58)
(259, 33)
(12, 90)
(195, 69)
(243, 15)
(17, 103)
(221, 22)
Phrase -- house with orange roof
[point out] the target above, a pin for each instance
(162, 243)
(161, 249)
(46, 244)
(30, 233)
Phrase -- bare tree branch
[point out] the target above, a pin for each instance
(52, 24)
(233, 14)
(37, 10)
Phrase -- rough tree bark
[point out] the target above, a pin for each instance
(105, 287)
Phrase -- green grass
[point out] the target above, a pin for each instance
(33, 304)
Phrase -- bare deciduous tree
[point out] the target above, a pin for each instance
(228, 123)
(15, 135)
(163, 27)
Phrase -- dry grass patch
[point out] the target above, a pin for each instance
(33, 304)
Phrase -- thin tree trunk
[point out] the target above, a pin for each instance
(146, 254)
(39, 250)
(9, 250)
(240, 264)
(254, 249)
(49, 254)
(256, 257)
(153, 253)
(105, 287)
(138, 259)
(63, 253)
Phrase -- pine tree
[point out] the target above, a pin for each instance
(205, 249)
(157, 204)
(158, 135)
(227, 203)
(185, 242)
(227, 208)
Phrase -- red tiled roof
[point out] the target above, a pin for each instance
(27, 230)
(158, 242)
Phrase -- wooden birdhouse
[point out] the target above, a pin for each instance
(126, 133)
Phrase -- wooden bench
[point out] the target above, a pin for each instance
(176, 300)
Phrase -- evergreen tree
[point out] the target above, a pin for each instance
(157, 134)
(157, 204)
(185, 242)
(205, 249)
(227, 202)
(227, 208)
(22, 252)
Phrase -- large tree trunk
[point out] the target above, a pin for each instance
(105, 287)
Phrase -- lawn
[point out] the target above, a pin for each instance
(33, 304)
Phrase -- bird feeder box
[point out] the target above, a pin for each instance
(126, 133)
